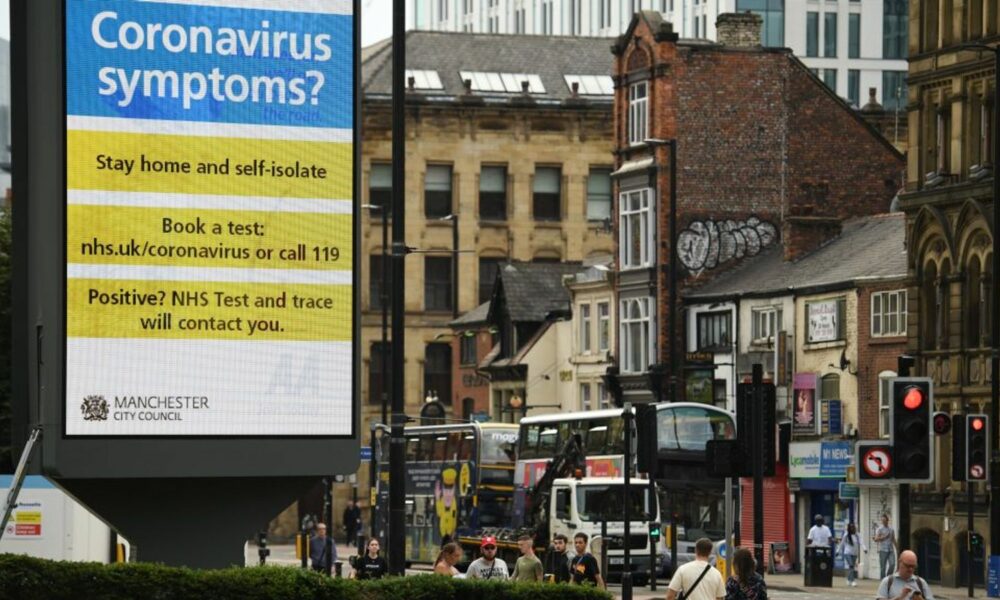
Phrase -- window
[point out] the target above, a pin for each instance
(575, 17)
(380, 187)
(603, 326)
(638, 112)
(825, 320)
(488, 269)
(636, 334)
(437, 283)
(812, 34)
(468, 348)
(636, 229)
(894, 90)
(889, 313)
(493, 193)
(765, 322)
(829, 387)
(772, 13)
(604, 16)
(830, 79)
(546, 193)
(895, 24)
(442, 9)
(603, 397)
(376, 279)
(713, 331)
(437, 372)
(941, 139)
(854, 35)
(854, 87)
(437, 191)
(546, 17)
(884, 398)
(830, 34)
(982, 115)
(585, 323)
(585, 396)
(379, 378)
(599, 194)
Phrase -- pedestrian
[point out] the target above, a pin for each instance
(904, 584)
(371, 565)
(322, 550)
(819, 534)
(851, 547)
(527, 567)
(583, 568)
(488, 566)
(450, 555)
(352, 522)
(557, 560)
(745, 583)
(885, 537)
(697, 579)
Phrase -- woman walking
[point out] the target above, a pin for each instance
(449, 556)
(850, 548)
(745, 583)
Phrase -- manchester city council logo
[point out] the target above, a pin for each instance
(94, 408)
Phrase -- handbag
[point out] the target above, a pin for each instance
(687, 593)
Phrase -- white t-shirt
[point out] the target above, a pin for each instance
(819, 535)
(710, 587)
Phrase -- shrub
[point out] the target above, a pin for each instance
(23, 577)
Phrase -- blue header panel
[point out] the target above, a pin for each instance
(149, 60)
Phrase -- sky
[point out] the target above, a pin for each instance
(376, 20)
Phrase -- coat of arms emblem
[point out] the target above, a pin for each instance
(94, 408)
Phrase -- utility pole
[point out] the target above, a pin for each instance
(758, 466)
(627, 496)
(397, 455)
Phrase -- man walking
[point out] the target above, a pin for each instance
(557, 561)
(322, 550)
(698, 579)
(819, 534)
(527, 567)
(904, 584)
(885, 537)
(488, 566)
(352, 522)
(583, 568)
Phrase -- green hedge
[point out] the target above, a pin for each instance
(23, 577)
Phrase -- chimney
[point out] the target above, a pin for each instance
(802, 234)
(739, 30)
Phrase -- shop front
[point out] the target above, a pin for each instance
(816, 470)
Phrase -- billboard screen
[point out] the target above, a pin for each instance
(210, 168)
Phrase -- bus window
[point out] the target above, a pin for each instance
(439, 451)
(616, 436)
(498, 446)
(690, 428)
(597, 436)
(465, 450)
(425, 449)
(548, 442)
(412, 443)
(454, 446)
(529, 441)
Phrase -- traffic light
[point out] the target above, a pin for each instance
(913, 450)
(977, 429)
(942, 423)
(745, 410)
(654, 533)
(646, 444)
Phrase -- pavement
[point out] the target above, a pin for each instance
(780, 586)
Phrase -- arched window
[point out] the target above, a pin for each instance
(943, 301)
(973, 303)
(986, 302)
(929, 307)
(829, 388)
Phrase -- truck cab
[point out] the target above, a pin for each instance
(580, 506)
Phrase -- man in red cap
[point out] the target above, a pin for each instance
(488, 566)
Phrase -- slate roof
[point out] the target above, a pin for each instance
(533, 291)
(868, 248)
(448, 53)
(475, 316)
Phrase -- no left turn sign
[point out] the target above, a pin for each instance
(876, 461)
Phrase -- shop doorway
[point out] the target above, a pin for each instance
(927, 544)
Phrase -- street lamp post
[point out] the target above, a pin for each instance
(384, 301)
(454, 261)
(995, 311)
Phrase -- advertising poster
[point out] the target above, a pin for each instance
(822, 321)
(209, 218)
(804, 407)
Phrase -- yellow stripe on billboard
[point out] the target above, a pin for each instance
(130, 162)
(103, 308)
(208, 238)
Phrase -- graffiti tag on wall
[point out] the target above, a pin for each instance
(705, 245)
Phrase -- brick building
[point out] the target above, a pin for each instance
(765, 152)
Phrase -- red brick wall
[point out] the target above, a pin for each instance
(874, 356)
(466, 383)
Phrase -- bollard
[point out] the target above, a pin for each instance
(338, 569)
(302, 548)
(361, 543)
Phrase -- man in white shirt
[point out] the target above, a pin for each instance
(698, 579)
(819, 534)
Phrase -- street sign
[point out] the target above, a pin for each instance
(366, 452)
(875, 462)
(848, 491)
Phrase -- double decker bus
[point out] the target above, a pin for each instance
(459, 478)
(689, 498)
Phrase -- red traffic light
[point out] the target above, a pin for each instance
(942, 423)
(977, 424)
(913, 399)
